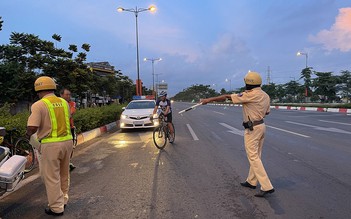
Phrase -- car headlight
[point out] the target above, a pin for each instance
(124, 116)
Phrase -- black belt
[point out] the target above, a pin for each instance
(254, 123)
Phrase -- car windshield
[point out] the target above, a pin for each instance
(141, 105)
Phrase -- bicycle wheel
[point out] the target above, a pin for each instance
(160, 137)
(23, 148)
(172, 135)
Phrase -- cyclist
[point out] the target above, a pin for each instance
(166, 108)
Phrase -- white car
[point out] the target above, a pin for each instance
(137, 114)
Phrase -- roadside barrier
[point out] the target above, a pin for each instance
(302, 108)
(86, 136)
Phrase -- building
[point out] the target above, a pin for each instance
(102, 68)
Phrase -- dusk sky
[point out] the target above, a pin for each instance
(199, 41)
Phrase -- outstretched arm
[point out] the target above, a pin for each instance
(218, 98)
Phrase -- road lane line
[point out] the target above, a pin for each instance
(219, 113)
(331, 129)
(233, 130)
(340, 123)
(283, 130)
(192, 133)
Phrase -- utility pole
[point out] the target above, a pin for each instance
(268, 76)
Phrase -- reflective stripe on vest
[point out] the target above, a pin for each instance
(51, 105)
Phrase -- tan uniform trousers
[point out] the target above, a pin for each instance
(54, 170)
(253, 146)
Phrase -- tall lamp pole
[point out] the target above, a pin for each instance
(306, 55)
(136, 11)
(230, 83)
(153, 71)
(303, 54)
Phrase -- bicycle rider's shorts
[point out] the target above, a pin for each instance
(169, 117)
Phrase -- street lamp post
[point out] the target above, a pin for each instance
(153, 71)
(305, 54)
(136, 11)
(230, 83)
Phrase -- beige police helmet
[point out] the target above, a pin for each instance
(253, 78)
(44, 83)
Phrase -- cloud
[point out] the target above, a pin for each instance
(339, 35)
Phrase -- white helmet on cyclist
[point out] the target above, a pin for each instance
(163, 93)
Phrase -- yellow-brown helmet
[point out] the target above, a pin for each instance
(253, 78)
(44, 83)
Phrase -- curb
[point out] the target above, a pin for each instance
(318, 109)
(86, 136)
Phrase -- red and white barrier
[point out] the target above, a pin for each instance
(86, 136)
(318, 109)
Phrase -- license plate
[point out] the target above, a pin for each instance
(138, 122)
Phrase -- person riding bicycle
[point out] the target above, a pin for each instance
(165, 105)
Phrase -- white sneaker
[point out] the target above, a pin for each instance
(171, 139)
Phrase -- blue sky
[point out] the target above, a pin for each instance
(200, 42)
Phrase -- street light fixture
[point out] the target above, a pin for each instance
(136, 11)
(303, 53)
(230, 83)
(153, 71)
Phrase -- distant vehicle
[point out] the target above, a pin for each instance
(137, 114)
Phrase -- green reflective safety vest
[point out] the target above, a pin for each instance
(59, 116)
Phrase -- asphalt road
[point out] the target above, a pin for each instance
(123, 175)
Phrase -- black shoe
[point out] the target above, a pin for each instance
(71, 167)
(49, 212)
(248, 185)
(264, 193)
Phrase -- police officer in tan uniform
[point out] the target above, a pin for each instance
(256, 105)
(50, 120)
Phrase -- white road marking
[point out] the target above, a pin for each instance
(340, 123)
(192, 133)
(321, 128)
(283, 130)
(233, 130)
(219, 113)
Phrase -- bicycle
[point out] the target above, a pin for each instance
(161, 133)
(19, 147)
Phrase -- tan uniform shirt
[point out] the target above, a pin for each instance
(255, 102)
(40, 118)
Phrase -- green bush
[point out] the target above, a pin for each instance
(18, 121)
(90, 118)
(84, 119)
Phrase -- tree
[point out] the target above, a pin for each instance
(195, 93)
(27, 57)
(325, 86)
(1, 21)
(56, 37)
(270, 90)
(345, 84)
(294, 91)
(306, 74)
